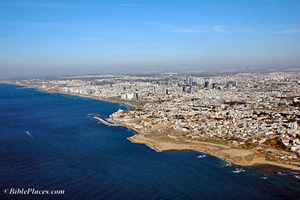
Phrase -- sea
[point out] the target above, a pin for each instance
(50, 142)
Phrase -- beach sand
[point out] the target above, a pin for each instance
(241, 157)
(173, 142)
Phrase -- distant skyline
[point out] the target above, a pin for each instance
(55, 37)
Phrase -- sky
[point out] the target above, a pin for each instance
(53, 37)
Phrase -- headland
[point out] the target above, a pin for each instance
(246, 119)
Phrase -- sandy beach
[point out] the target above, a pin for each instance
(168, 142)
(241, 157)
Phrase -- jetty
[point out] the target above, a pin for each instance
(108, 123)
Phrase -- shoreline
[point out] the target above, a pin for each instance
(239, 157)
(235, 158)
(111, 100)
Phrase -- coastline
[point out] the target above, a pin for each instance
(111, 100)
(162, 142)
(239, 157)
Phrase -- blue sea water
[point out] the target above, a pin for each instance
(65, 149)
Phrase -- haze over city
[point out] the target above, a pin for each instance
(81, 37)
(150, 99)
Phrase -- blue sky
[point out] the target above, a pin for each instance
(89, 36)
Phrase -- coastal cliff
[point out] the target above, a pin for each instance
(169, 142)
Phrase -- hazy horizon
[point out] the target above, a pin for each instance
(61, 37)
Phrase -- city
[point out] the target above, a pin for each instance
(139, 99)
(256, 112)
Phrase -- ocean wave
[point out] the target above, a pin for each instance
(298, 177)
(238, 170)
(202, 156)
(288, 173)
(228, 164)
